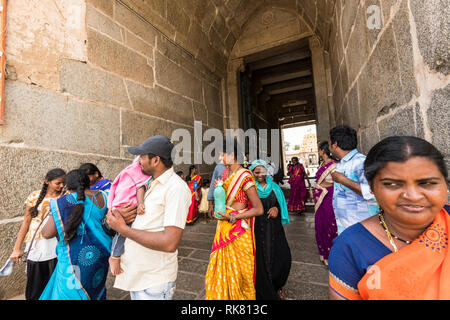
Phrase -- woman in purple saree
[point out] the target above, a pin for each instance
(325, 221)
(299, 193)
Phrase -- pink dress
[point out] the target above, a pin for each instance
(124, 187)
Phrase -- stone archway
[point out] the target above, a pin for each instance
(279, 37)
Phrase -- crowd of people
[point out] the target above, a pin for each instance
(381, 224)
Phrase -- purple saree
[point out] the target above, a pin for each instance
(325, 221)
(299, 193)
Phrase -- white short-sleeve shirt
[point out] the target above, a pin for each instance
(167, 204)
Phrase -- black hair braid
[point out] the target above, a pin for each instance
(80, 181)
(34, 209)
(51, 175)
(81, 196)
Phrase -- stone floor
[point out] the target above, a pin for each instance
(308, 278)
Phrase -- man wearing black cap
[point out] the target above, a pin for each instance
(150, 262)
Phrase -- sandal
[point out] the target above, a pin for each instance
(282, 294)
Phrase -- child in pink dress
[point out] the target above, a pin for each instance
(129, 187)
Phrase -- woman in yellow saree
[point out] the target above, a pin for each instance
(231, 269)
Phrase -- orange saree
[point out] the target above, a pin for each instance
(231, 269)
(419, 271)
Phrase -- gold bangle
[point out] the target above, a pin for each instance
(115, 258)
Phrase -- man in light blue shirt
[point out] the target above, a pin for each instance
(352, 199)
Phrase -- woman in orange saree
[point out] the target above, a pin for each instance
(194, 181)
(231, 270)
(401, 253)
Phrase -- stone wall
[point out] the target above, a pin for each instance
(392, 80)
(86, 79)
(268, 27)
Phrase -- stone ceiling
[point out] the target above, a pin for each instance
(282, 83)
(208, 29)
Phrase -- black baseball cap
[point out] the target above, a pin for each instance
(158, 145)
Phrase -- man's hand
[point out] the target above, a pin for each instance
(349, 183)
(211, 209)
(337, 176)
(128, 212)
(116, 221)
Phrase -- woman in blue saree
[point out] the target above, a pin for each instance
(83, 247)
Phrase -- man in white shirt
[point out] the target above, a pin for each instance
(150, 262)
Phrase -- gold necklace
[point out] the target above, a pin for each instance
(389, 235)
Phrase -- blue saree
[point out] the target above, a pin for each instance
(103, 185)
(82, 266)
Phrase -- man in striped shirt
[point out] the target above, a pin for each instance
(352, 199)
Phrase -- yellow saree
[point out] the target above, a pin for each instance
(231, 269)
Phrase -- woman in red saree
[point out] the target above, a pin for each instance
(231, 269)
(401, 253)
(194, 181)
(299, 193)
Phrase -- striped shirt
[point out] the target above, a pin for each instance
(349, 207)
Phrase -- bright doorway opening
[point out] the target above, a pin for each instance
(301, 141)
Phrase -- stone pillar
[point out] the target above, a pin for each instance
(235, 66)
(331, 111)
(320, 87)
(283, 152)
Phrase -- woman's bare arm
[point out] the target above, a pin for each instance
(257, 206)
(49, 230)
(17, 251)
